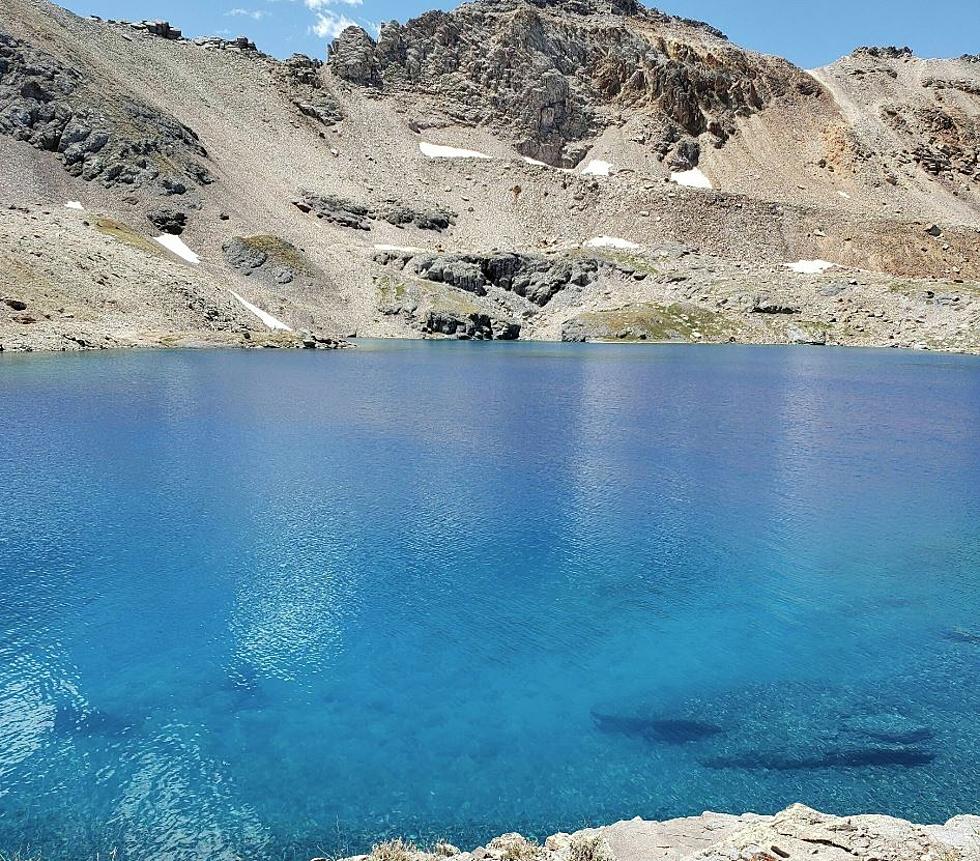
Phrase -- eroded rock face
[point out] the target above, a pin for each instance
(927, 109)
(535, 278)
(474, 326)
(551, 75)
(122, 142)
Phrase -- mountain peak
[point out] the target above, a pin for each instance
(592, 7)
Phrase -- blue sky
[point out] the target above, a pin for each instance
(809, 32)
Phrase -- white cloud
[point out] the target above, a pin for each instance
(329, 24)
(254, 14)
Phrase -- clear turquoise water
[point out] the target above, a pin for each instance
(277, 605)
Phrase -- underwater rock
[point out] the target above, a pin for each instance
(666, 730)
(963, 635)
(783, 726)
(890, 727)
(842, 758)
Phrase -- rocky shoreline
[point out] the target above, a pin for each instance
(798, 832)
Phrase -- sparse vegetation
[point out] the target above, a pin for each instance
(589, 849)
(522, 849)
(279, 251)
(394, 850)
(125, 234)
(393, 290)
(650, 322)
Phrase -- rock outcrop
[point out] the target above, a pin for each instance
(359, 216)
(122, 142)
(797, 832)
(307, 90)
(535, 278)
(271, 260)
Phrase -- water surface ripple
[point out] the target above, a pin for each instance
(277, 605)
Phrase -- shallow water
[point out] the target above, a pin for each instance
(277, 605)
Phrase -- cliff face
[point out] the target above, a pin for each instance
(551, 76)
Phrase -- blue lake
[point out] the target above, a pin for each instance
(278, 605)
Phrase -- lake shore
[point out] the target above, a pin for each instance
(797, 832)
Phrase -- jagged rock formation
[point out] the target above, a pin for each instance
(312, 99)
(551, 76)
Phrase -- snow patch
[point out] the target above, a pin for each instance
(597, 167)
(176, 245)
(438, 151)
(264, 316)
(75, 204)
(534, 161)
(693, 178)
(844, 194)
(612, 242)
(810, 267)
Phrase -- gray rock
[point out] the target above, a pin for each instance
(116, 140)
(244, 256)
(359, 216)
(766, 305)
(401, 214)
(301, 75)
(474, 326)
(168, 220)
(352, 57)
(537, 279)
(337, 210)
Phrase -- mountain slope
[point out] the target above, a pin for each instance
(298, 182)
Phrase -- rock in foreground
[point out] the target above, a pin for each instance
(797, 833)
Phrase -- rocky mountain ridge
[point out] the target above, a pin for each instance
(695, 182)
(550, 76)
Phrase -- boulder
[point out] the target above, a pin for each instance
(766, 305)
(171, 221)
(806, 336)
